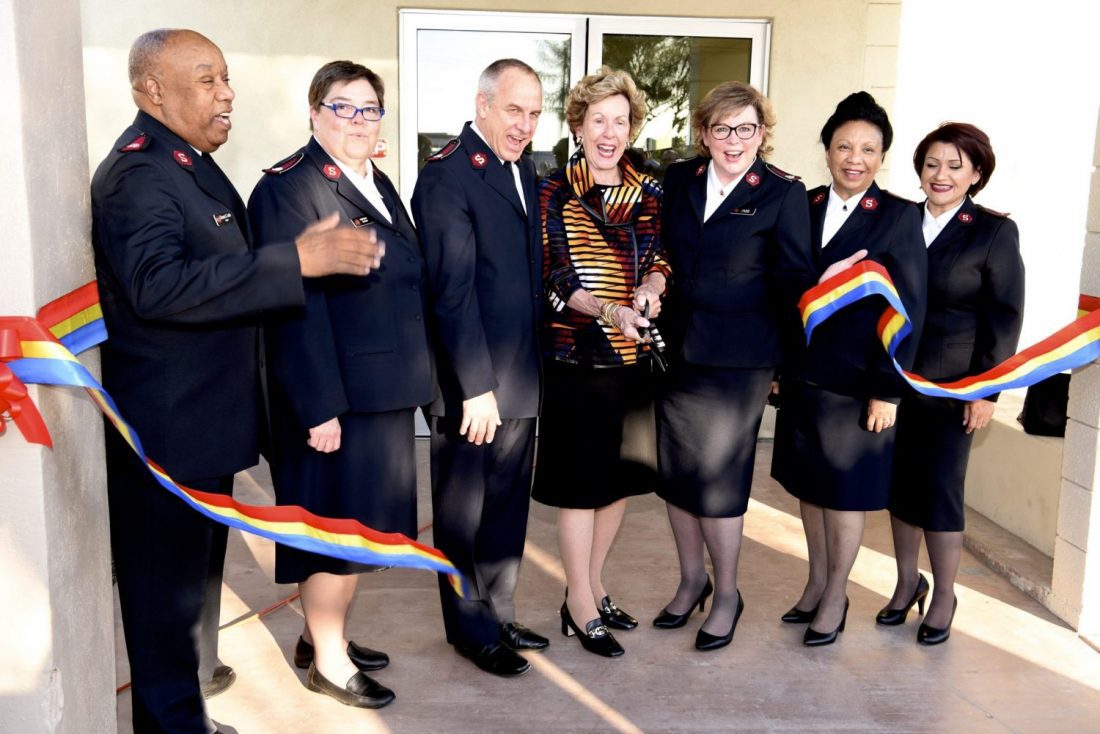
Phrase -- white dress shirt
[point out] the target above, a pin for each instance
(932, 226)
(716, 192)
(511, 166)
(837, 212)
(367, 188)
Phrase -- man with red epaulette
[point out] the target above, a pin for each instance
(477, 211)
(181, 289)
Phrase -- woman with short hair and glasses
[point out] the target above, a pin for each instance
(346, 371)
(975, 312)
(738, 237)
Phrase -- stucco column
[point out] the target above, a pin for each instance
(57, 636)
(1075, 592)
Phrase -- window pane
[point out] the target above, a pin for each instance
(675, 72)
(448, 65)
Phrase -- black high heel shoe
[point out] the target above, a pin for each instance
(933, 635)
(612, 616)
(813, 638)
(705, 641)
(795, 615)
(596, 637)
(894, 617)
(667, 620)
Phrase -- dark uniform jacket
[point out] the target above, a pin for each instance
(738, 275)
(181, 288)
(975, 296)
(360, 343)
(846, 355)
(484, 258)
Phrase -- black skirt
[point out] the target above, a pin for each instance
(707, 422)
(933, 449)
(589, 415)
(371, 478)
(824, 454)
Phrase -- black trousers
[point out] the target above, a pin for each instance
(167, 558)
(480, 498)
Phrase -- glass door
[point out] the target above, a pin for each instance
(677, 61)
(441, 57)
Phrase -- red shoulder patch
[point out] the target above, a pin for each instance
(479, 160)
(285, 164)
(818, 199)
(753, 179)
(331, 171)
(780, 172)
(965, 218)
(702, 167)
(141, 142)
(869, 203)
(181, 158)
(452, 145)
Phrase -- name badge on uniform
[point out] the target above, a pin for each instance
(220, 219)
(743, 211)
(361, 221)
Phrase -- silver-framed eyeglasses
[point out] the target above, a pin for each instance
(744, 131)
(349, 111)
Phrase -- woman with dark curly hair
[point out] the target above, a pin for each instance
(975, 312)
(834, 447)
(606, 272)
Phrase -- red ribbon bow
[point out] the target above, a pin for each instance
(16, 404)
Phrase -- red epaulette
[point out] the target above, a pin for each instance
(141, 142)
(445, 152)
(993, 212)
(285, 165)
(781, 173)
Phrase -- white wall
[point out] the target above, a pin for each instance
(1027, 74)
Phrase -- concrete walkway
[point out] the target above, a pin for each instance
(1010, 666)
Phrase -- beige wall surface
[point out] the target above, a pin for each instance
(817, 56)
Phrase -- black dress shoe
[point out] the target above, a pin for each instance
(812, 638)
(612, 616)
(795, 615)
(934, 635)
(518, 637)
(894, 617)
(596, 638)
(363, 657)
(361, 690)
(495, 658)
(667, 620)
(220, 680)
(705, 641)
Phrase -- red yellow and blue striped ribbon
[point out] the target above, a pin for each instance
(73, 323)
(1072, 346)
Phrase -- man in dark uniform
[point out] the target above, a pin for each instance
(477, 210)
(180, 288)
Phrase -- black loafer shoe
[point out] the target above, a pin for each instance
(612, 616)
(363, 657)
(518, 637)
(495, 658)
(361, 690)
(220, 680)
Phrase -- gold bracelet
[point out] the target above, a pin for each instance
(607, 313)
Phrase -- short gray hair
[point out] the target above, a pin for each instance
(146, 49)
(487, 82)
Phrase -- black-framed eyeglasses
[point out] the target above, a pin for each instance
(349, 111)
(744, 131)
